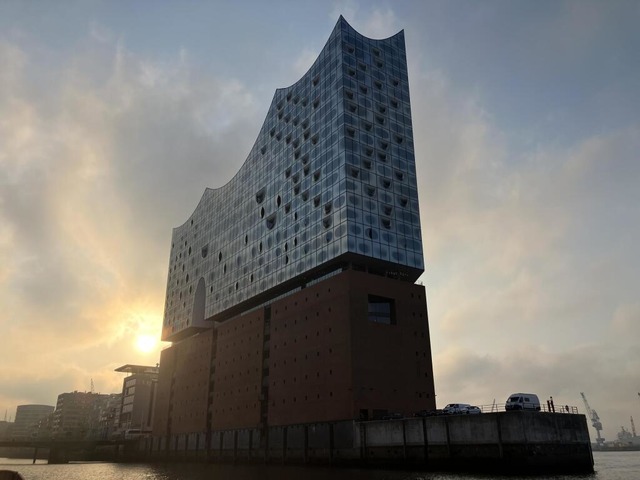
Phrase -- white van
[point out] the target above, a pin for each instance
(523, 401)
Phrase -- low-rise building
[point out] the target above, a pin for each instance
(138, 393)
(106, 417)
(5, 429)
(76, 414)
(27, 419)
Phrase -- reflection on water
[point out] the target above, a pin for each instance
(609, 466)
(102, 471)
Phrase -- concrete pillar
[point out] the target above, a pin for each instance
(499, 427)
(363, 442)
(331, 444)
(284, 444)
(235, 446)
(425, 440)
(404, 439)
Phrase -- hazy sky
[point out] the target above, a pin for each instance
(114, 117)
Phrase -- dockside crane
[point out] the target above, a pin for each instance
(595, 421)
(633, 427)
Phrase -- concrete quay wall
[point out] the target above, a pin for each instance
(503, 441)
(517, 442)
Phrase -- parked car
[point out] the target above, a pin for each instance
(523, 401)
(456, 408)
(393, 416)
(473, 410)
(429, 413)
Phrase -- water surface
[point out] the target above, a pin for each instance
(609, 466)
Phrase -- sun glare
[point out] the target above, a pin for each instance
(146, 343)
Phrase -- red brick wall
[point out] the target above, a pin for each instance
(310, 361)
(392, 367)
(326, 360)
(163, 391)
(238, 372)
(184, 384)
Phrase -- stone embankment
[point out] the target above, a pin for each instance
(499, 442)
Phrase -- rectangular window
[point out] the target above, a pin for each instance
(381, 310)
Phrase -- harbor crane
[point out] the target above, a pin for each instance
(633, 427)
(595, 421)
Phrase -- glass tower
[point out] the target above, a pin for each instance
(329, 182)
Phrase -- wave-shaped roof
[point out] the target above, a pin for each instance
(331, 176)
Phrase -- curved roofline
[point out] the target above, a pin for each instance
(213, 191)
(340, 19)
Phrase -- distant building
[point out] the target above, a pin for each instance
(5, 429)
(77, 414)
(44, 428)
(106, 417)
(138, 393)
(290, 292)
(28, 418)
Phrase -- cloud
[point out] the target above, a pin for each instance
(625, 322)
(96, 169)
(481, 378)
(530, 260)
(381, 23)
(100, 33)
(530, 263)
(304, 61)
(374, 21)
(347, 8)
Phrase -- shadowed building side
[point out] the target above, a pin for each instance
(337, 354)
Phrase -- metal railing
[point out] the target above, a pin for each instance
(492, 408)
(544, 407)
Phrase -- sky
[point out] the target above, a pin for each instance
(115, 116)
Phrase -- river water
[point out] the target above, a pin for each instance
(608, 466)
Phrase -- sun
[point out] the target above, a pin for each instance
(146, 343)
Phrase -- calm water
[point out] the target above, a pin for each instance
(609, 466)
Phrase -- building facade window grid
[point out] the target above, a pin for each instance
(332, 172)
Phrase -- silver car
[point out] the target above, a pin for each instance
(456, 408)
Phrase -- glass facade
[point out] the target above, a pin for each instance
(331, 176)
